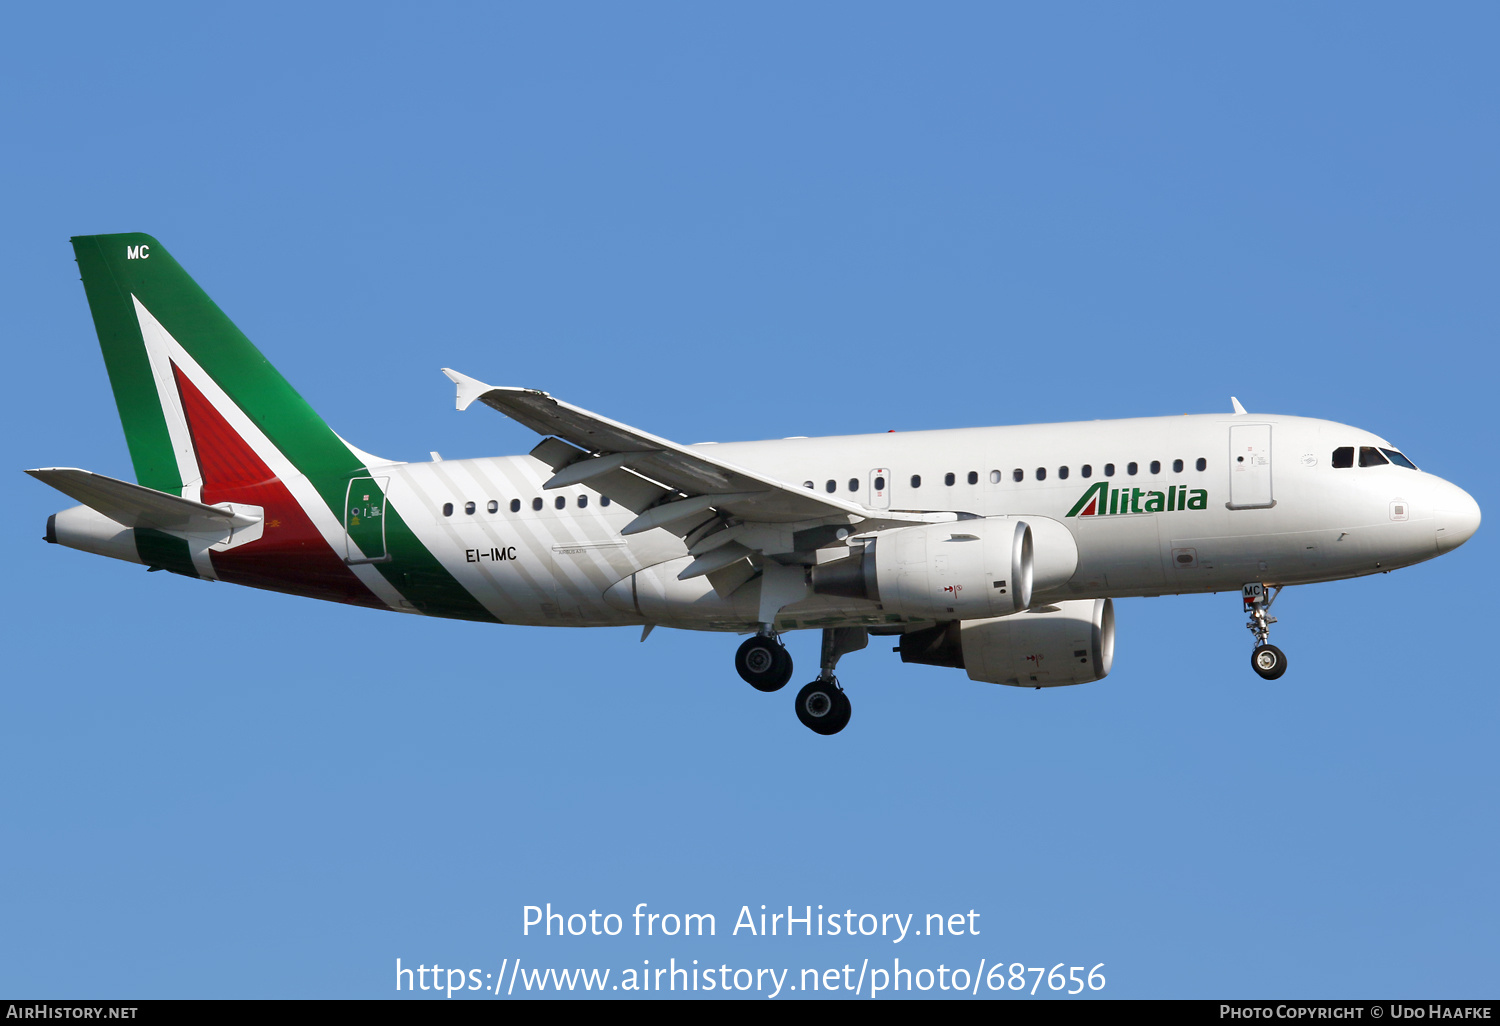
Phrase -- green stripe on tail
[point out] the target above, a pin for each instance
(115, 268)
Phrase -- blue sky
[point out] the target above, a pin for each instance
(720, 224)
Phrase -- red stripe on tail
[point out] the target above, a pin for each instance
(292, 555)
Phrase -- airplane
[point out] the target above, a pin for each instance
(994, 550)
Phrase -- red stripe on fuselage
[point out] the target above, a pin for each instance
(291, 555)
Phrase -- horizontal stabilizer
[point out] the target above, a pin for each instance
(133, 505)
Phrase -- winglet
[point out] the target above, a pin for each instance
(469, 388)
(1239, 411)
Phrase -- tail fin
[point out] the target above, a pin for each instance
(209, 420)
(183, 375)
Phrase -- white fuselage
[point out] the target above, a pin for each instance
(1280, 514)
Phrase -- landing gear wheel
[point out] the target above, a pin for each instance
(823, 707)
(764, 663)
(1268, 661)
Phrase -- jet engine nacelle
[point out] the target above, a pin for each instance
(1067, 643)
(960, 570)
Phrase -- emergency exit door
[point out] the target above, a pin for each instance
(1250, 467)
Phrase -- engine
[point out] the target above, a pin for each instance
(961, 570)
(1067, 643)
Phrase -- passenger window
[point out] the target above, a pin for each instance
(604, 500)
(1131, 468)
(469, 508)
(515, 505)
(948, 479)
(560, 501)
(1041, 473)
(536, 503)
(973, 477)
(1369, 456)
(1109, 470)
(916, 480)
(831, 487)
(854, 484)
(1176, 466)
(1086, 470)
(1398, 459)
(1018, 475)
(583, 501)
(1343, 457)
(807, 484)
(1202, 463)
(493, 507)
(447, 509)
(1156, 466)
(996, 477)
(1062, 473)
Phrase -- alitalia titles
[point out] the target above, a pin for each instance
(1102, 500)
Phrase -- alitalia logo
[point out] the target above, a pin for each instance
(1102, 500)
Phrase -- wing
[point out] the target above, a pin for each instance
(676, 487)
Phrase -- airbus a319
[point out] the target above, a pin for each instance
(993, 550)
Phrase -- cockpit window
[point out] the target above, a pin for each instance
(1369, 456)
(1343, 457)
(1398, 459)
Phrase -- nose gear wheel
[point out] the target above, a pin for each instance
(1268, 661)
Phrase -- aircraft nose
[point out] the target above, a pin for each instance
(1457, 517)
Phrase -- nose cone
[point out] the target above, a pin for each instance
(1457, 517)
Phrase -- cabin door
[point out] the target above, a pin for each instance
(1250, 467)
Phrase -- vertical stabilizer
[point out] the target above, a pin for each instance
(209, 420)
(161, 337)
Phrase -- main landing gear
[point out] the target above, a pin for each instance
(822, 705)
(1266, 660)
(764, 663)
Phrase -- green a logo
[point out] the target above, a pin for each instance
(1101, 500)
(1089, 504)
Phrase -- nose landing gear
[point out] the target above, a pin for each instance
(1266, 659)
